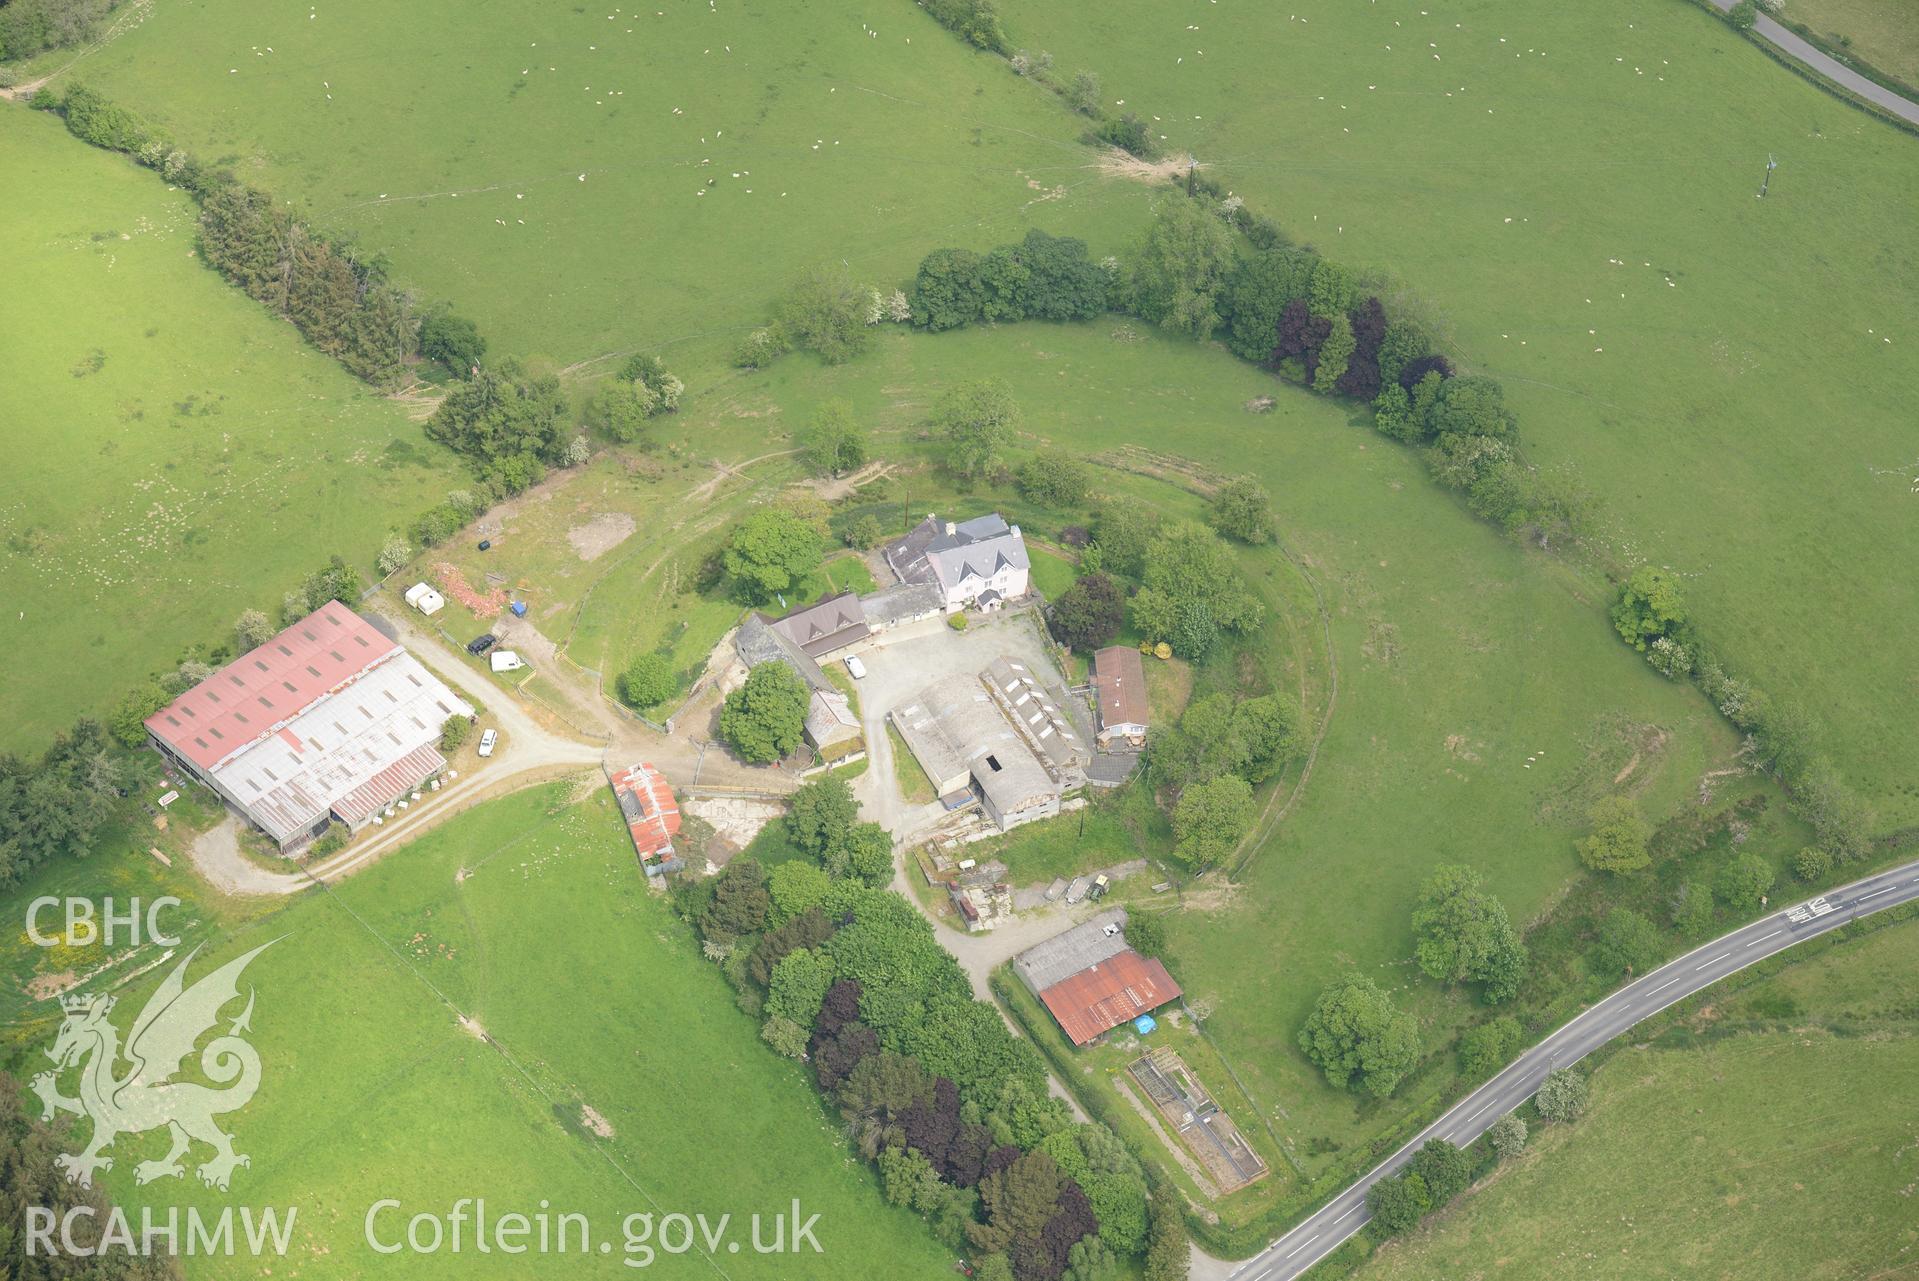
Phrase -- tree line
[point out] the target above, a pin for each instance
(936, 1093)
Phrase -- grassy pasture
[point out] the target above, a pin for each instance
(1725, 1155)
(590, 180)
(177, 455)
(372, 1089)
(1570, 190)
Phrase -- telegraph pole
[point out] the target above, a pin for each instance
(1771, 164)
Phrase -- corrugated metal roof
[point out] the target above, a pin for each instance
(397, 779)
(1070, 951)
(647, 804)
(265, 688)
(290, 779)
(1108, 994)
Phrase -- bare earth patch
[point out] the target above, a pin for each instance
(1114, 163)
(593, 1121)
(600, 535)
(43, 986)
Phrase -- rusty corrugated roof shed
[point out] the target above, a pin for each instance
(1105, 995)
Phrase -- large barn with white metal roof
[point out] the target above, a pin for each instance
(328, 721)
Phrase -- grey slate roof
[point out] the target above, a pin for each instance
(929, 554)
(902, 603)
(831, 623)
(979, 546)
(758, 642)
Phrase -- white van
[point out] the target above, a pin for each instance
(487, 740)
(855, 667)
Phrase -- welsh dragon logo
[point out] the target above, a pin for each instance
(146, 1097)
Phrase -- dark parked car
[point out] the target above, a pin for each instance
(485, 543)
(481, 644)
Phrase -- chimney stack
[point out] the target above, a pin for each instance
(951, 529)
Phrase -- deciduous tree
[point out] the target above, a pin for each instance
(1210, 820)
(1464, 935)
(1358, 1038)
(1562, 1096)
(1088, 614)
(648, 681)
(1742, 883)
(1242, 509)
(1508, 1136)
(1649, 606)
(833, 441)
(1617, 842)
(1628, 943)
(763, 719)
(1180, 269)
(825, 312)
(771, 551)
(977, 420)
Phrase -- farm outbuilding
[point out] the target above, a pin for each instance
(1091, 980)
(328, 721)
(652, 816)
(1119, 684)
(963, 741)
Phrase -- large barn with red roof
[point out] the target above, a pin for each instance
(328, 721)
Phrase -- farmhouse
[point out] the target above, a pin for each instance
(1119, 688)
(327, 721)
(976, 564)
(1091, 981)
(969, 750)
(652, 816)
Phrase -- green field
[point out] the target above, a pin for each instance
(1554, 180)
(528, 917)
(1566, 192)
(177, 454)
(545, 168)
(1757, 1141)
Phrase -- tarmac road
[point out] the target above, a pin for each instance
(1345, 1214)
(1831, 68)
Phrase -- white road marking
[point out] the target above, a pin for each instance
(1715, 960)
(1302, 1245)
(1349, 1214)
(1662, 987)
(1875, 893)
(1763, 937)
